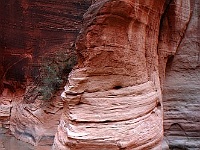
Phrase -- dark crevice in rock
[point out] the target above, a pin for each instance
(158, 105)
(117, 87)
(169, 63)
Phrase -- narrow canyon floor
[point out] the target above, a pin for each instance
(9, 142)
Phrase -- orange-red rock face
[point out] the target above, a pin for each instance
(113, 98)
(126, 48)
(30, 30)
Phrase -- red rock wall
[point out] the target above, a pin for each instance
(178, 56)
(113, 99)
(30, 29)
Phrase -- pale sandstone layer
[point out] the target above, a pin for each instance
(36, 123)
(113, 99)
(5, 111)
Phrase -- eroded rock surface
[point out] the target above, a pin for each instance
(32, 29)
(181, 94)
(127, 52)
(5, 111)
(30, 33)
(36, 123)
(113, 99)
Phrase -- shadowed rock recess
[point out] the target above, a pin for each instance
(136, 82)
(36, 41)
(181, 91)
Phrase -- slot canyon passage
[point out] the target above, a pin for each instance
(135, 82)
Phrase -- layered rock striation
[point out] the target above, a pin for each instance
(130, 54)
(31, 34)
(5, 111)
(181, 96)
(36, 123)
(113, 98)
(32, 29)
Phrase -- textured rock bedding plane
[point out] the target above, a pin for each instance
(137, 60)
(181, 96)
(30, 30)
(113, 97)
(123, 46)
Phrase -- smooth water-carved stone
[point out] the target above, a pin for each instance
(181, 91)
(36, 123)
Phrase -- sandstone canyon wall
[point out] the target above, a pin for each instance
(113, 98)
(137, 60)
(35, 35)
(105, 83)
(181, 93)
